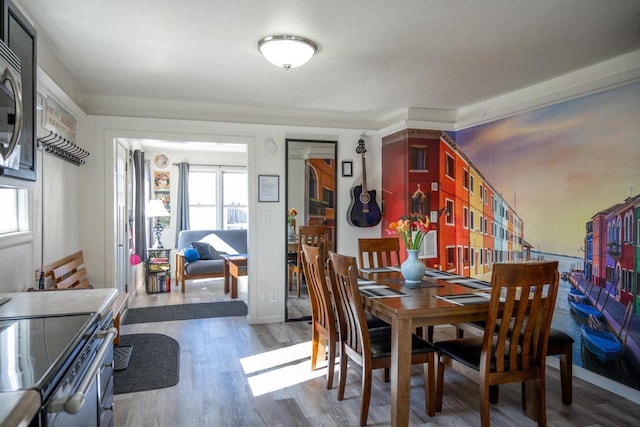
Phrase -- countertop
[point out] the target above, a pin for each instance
(18, 408)
(38, 303)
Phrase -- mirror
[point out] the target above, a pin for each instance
(311, 183)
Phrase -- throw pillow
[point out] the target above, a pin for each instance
(191, 255)
(205, 250)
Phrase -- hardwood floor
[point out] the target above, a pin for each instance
(236, 374)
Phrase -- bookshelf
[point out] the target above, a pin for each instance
(158, 271)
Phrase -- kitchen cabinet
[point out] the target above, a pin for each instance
(18, 33)
(158, 271)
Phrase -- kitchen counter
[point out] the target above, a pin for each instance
(18, 408)
(49, 303)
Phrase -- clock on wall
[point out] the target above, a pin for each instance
(161, 161)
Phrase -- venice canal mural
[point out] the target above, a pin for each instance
(560, 167)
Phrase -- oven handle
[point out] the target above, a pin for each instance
(73, 404)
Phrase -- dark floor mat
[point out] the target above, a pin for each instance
(121, 355)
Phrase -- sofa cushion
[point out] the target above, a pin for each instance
(206, 266)
(205, 250)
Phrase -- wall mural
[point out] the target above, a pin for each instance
(572, 171)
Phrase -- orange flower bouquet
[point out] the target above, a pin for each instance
(412, 228)
(291, 214)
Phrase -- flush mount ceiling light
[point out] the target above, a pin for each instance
(287, 51)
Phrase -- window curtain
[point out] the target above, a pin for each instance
(139, 203)
(182, 207)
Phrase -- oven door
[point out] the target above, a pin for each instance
(79, 400)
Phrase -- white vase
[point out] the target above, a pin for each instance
(412, 268)
(290, 231)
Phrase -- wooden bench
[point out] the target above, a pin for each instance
(69, 273)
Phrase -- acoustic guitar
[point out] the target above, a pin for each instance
(364, 210)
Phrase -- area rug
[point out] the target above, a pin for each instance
(154, 363)
(167, 313)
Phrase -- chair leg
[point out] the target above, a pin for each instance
(566, 375)
(343, 373)
(366, 395)
(439, 384)
(290, 279)
(385, 375)
(494, 393)
(429, 386)
(541, 409)
(484, 405)
(314, 348)
(331, 363)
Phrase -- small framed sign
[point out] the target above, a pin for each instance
(268, 188)
(347, 168)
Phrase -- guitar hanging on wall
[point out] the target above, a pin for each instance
(364, 210)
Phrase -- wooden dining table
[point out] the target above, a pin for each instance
(422, 306)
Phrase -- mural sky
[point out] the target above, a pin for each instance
(560, 165)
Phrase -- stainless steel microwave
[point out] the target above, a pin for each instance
(10, 108)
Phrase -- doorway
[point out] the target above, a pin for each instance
(161, 159)
(311, 183)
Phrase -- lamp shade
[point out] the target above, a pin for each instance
(155, 208)
(287, 51)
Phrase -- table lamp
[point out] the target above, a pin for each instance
(155, 209)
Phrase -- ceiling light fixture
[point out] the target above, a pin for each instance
(287, 51)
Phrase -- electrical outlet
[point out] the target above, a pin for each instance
(274, 296)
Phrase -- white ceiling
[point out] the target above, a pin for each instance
(375, 57)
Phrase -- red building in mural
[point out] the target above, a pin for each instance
(424, 171)
(612, 254)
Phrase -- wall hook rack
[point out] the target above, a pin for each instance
(63, 148)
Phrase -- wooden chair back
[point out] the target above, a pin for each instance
(353, 330)
(312, 235)
(523, 297)
(323, 318)
(379, 252)
(314, 271)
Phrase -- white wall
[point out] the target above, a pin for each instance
(22, 254)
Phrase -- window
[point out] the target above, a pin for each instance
(471, 184)
(207, 187)
(419, 157)
(473, 221)
(327, 197)
(14, 212)
(449, 212)
(465, 219)
(235, 200)
(312, 183)
(450, 169)
(465, 178)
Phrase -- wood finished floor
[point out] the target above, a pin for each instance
(215, 389)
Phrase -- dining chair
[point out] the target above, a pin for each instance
(370, 348)
(324, 332)
(379, 252)
(312, 235)
(513, 346)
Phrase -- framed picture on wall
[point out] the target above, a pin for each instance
(161, 181)
(347, 168)
(268, 188)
